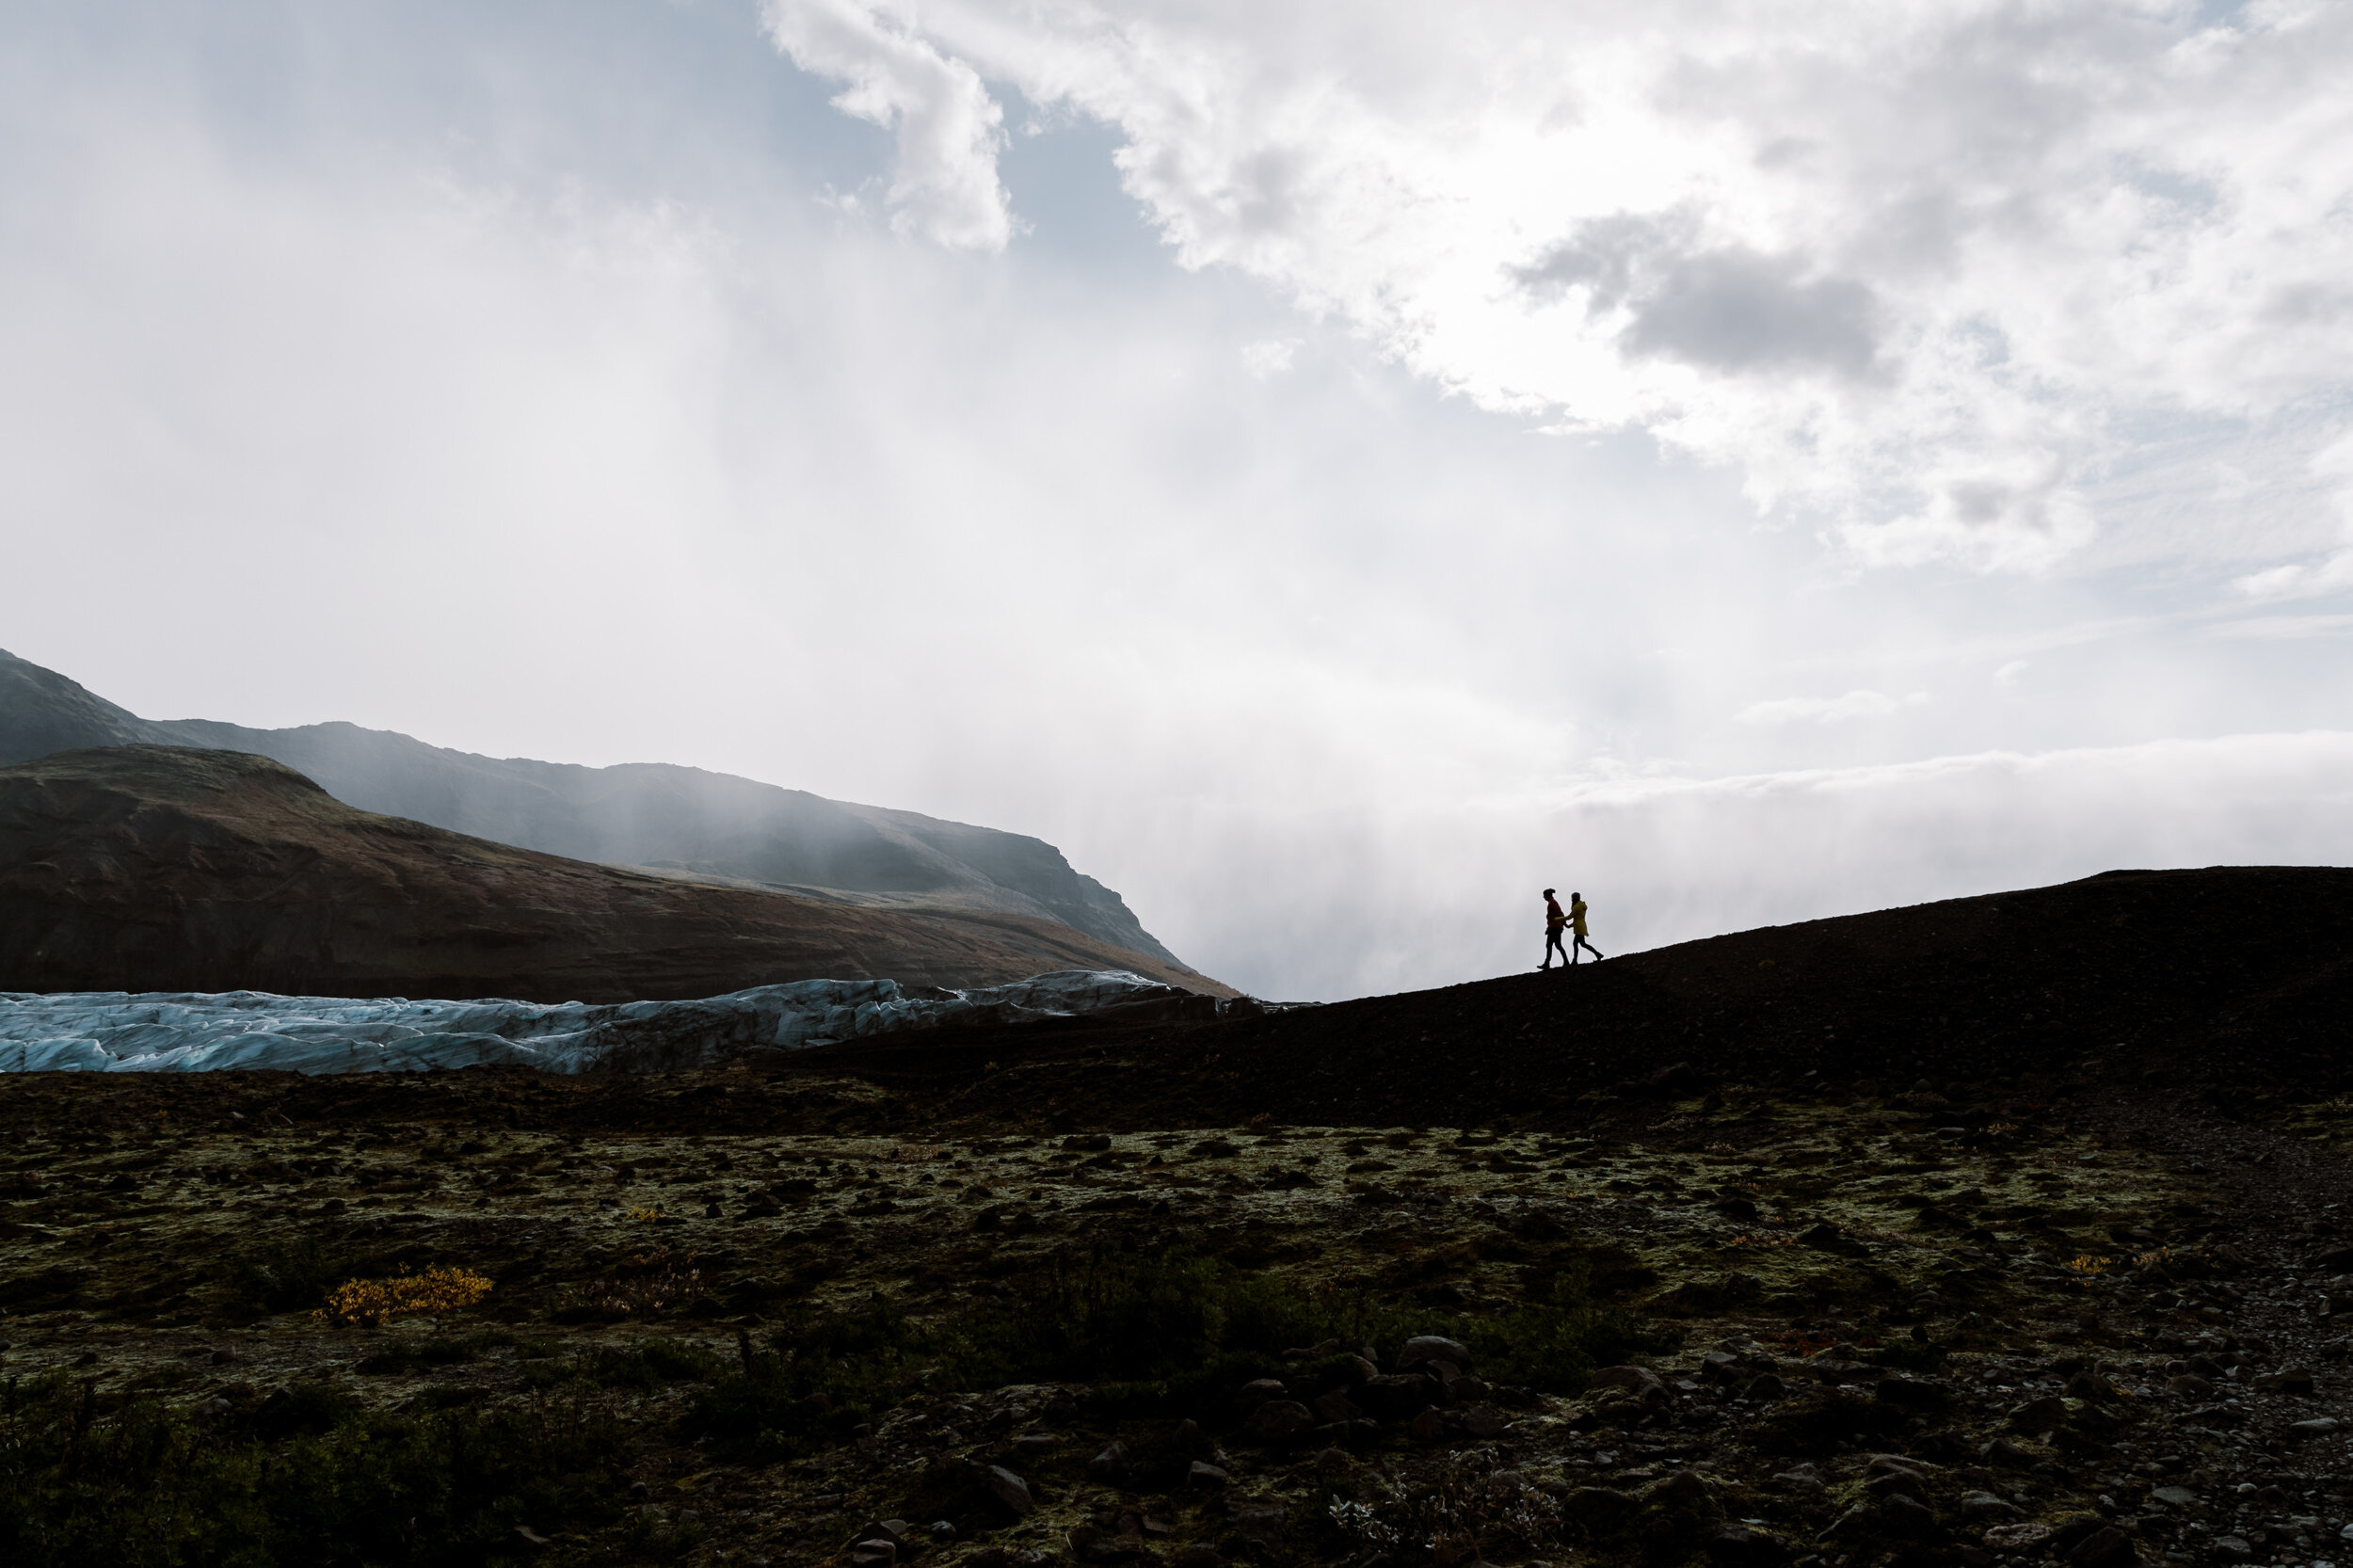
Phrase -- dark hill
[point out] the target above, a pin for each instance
(643, 815)
(2222, 980)
(156, 868)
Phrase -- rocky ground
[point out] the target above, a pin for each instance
(826, 1317)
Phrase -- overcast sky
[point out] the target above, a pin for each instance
(1334, 470)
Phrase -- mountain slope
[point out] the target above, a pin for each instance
(2216, 980)
(147, 867)
(651, 816)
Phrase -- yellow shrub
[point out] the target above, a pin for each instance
(372, 1301)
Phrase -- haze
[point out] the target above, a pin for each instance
(1333, 471)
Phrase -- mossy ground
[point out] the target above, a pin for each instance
(747, 1344)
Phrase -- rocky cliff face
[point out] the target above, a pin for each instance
(142, 867)
(652, 816)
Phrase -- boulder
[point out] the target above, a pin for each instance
(1008, 1488)
(1636, 1379)
(1398, 1396)
(2105, 1547)
(2021, 1540)
(1433, 1347)
(2040, 1414)
(1279, 1422)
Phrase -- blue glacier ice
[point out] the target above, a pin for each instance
(119, 1031)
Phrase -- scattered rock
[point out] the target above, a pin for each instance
(2019, 1539)
(1635, 1378)
(1279, 1421)
(2319, 1426)
(2105, 1547)
(1009, 1489)
(1983, 1506)
(2040, 1414)
(1204, 1474)
(1432, 1347)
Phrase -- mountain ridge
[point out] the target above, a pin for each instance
(655, 816)
(146, 868)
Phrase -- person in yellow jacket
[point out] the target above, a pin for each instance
(1577, 925)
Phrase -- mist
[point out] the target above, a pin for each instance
(575, 384)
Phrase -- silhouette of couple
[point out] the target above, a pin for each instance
(1557, 920)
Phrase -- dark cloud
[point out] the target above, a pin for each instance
(1728, 308)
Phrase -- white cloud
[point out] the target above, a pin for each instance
(1917, 267)
(944, 184)
(2012, 672)
(1828, 709)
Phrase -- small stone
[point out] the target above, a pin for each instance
(2040, 1414)
(1984, 1506)
(2190, 1385)
(1483, 1422)
(1035, 1445)
(2021, 1539)
(527, 1538)
(1428, 1425)
(1008, 1488)
(1683, 1489)
(1636, 1378)
(1764, 1389)
(2319, 1426)
(1203, 1473)
(2105, 1547)
(1803, 1477)
(943, 1531)
(1901, 1513)
(1111, 1462)
(1432, 1347)
(1258, 1391)
(1278, 1421)
(2235, 1547)
(874, 1553)
(2174, 1496)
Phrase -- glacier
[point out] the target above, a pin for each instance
(119, 1031)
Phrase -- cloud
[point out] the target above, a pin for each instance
(1270, 358)
(1734, 309)
(943, 184)
(1828, 709)
(1917, 271)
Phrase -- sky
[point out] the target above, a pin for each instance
(1334, 470)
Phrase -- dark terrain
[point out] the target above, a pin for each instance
(169, 868)
(2002, 1233)
(685, 822)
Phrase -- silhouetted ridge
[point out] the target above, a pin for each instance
(145, 868)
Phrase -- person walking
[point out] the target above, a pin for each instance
(1555, 923)
(1577, 925)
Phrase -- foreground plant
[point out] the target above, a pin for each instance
(370, 1302)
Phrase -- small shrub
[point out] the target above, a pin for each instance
(370, 1302)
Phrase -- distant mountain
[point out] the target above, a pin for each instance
(680, 822)
(143, 868)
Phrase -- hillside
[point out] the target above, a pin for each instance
(147, 867)
(2226, 978)
(650, 816)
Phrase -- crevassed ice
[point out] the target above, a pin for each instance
(117, 1031)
